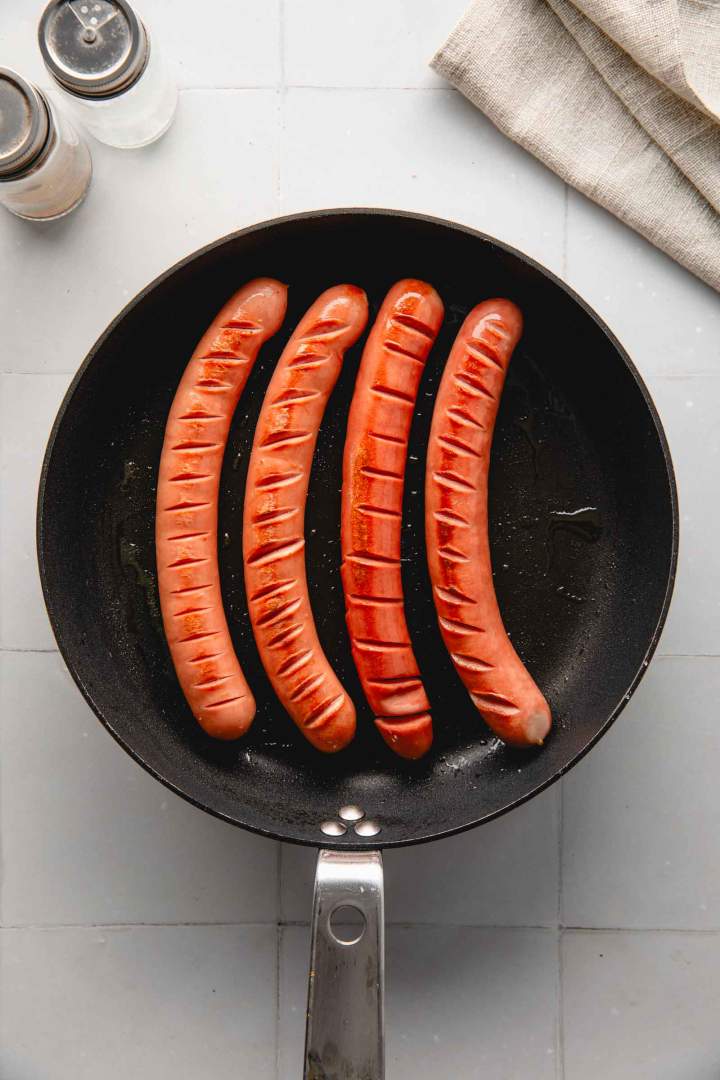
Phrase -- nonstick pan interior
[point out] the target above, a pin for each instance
(583, 531)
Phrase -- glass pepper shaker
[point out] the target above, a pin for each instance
(108, 70)
(45, 166)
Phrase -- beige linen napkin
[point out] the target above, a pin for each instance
(621, 98)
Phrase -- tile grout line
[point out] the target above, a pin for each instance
(648, 376)
(279, 937)
(713, 931)
(2, 845)
(40, 652)
(560, 1063)
(251, 88)
(277, 156)
(350, 88)
(560, 1027)
(120, 926)
(282, 95)
(362, 88)
(686, 656)
(566, 219)
(293, 923)
(278, 973)
(707, 932)
(281, 40)
(561, 840)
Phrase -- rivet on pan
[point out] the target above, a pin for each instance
(351, 813)
(367, 828)
(333, 828)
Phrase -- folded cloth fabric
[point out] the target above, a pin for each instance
(621, 98)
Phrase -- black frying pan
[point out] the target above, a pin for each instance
(583, 516)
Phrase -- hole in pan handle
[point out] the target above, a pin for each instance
(347, 967)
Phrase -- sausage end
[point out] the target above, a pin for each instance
(336, 734)
(525, 731)
(229, 723)
(410, 739)
(536, 727)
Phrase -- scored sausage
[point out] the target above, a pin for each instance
(456, 521)
(273, 530)
(373, 479)
(187, 508)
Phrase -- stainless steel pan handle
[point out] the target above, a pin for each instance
(345, 1036)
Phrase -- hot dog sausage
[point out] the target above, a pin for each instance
(457, 527)
(273, 532)
(373, 478)
(187, 508)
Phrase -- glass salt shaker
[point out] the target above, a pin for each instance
(45, 166)
(108, 70)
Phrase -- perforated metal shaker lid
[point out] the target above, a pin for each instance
(93, 48)
(24, 123)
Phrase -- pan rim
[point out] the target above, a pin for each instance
(346, 843)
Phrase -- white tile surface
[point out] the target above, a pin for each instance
(641, 847)
(343, 43)
(504, 874)
(690, 411)
(230, 43)
(28, 404)
(144, 211)
(641, 1006)
(171, 1003)
(429, 151)
(459, 1003)
(236, 43)
(90, 838)
(667, 320)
